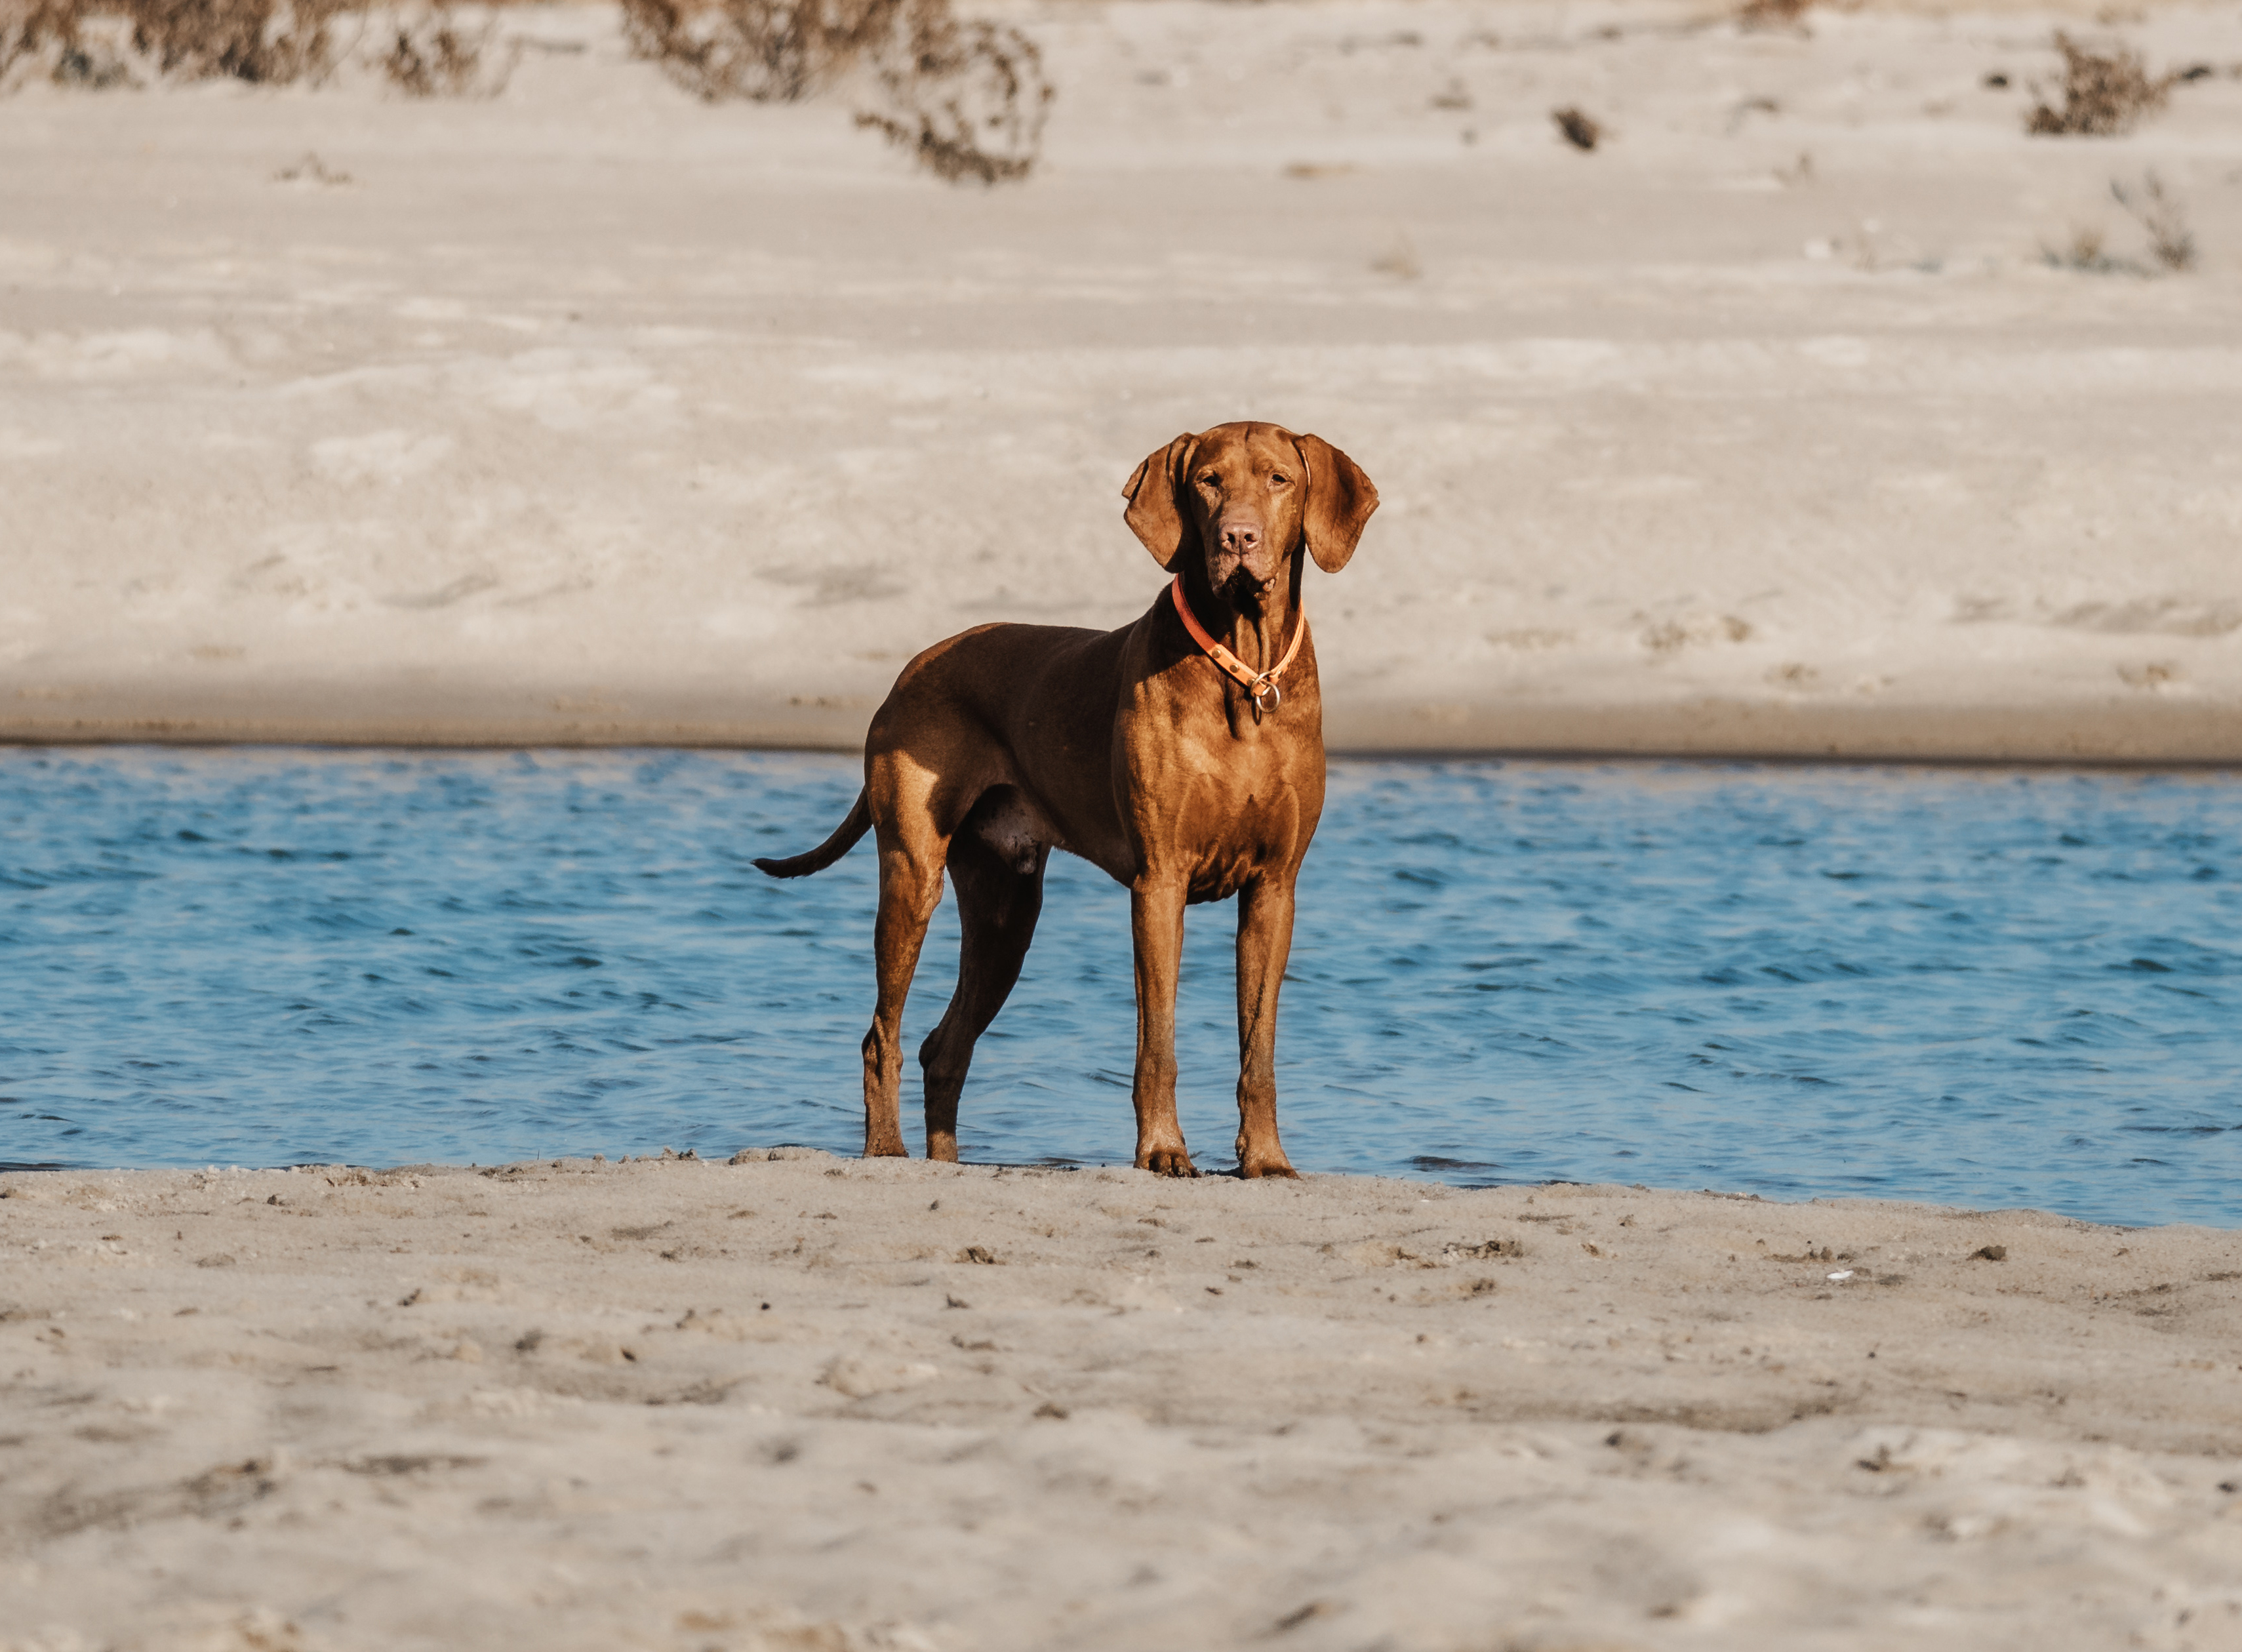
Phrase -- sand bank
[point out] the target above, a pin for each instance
(589, 413)
(805, 1402)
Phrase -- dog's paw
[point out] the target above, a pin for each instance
(1166, 1161)
(1255, 1170)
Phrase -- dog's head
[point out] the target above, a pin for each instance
(1242, 499)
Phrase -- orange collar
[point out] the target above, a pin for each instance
(1262, 685)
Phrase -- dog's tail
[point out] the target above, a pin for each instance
(843, 839)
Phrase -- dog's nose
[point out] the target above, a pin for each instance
(1241, 538)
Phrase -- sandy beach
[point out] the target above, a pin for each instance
(1818, 410)
(802, 1403)
(1790, 420)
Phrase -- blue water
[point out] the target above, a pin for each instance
(1990, 988)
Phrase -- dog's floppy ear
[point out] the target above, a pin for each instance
(1340, 498)
(1153, 514)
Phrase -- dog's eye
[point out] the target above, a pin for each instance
(1278, 479)
(1212, 478)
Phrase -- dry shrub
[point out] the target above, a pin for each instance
(2159, 214)
(2171, 243)
(763, 50)
(968, 99)
(431, 52)
(268, 42)
(1773, 14)
(35, 30)
(2104, 94)
(123, 43)
(112, 42)
(2089, 251)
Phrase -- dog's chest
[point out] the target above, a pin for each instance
(1234, 826)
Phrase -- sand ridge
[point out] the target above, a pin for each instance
(798, 1402)
(591, 413)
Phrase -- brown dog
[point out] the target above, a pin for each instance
(1185, 778)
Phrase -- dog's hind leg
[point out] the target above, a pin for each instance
(1000, 893)
(910, 888)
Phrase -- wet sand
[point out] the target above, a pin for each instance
(804, 1402)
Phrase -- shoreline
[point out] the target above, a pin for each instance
(795, 1401)
(2096, 735)
(1776, 1201)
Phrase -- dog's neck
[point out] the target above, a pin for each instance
(1258, 639)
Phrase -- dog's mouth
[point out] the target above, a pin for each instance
(1244, 591)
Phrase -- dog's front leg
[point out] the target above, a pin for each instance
(1156, 922)
(1265, 942)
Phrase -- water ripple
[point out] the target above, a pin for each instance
(1980, 987)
